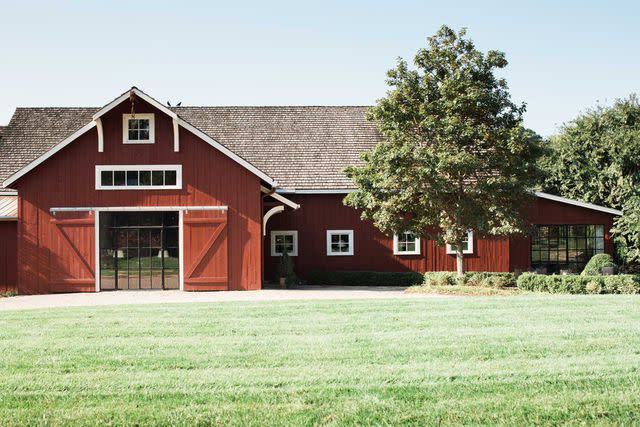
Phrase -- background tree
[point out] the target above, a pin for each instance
(596, 158)
(454, 156)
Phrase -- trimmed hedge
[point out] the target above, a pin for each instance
(596, 263)
(620, 284)
(482, 279)
(364, 278)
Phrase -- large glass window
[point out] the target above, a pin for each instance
(138, 177)
(565, 247)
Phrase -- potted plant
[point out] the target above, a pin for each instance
(285, 271)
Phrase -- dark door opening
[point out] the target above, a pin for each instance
(139, 250)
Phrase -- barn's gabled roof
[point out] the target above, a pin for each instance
(95, 122)
(299, 147)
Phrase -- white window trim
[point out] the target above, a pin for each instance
(275, 233)
(351, 242)
(398, 252)
(125, 128)
(176, 168)
(467, 251)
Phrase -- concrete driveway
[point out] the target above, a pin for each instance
(159, 297)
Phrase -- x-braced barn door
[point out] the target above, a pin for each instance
(72, 253)
(205, 250)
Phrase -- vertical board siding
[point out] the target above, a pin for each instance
(373, 251)
(8, 256)
(68, 180)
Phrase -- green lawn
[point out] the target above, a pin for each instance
(501, 360)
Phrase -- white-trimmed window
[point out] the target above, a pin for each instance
(339, 242)
(139, 177)
(138, 128)
(467, 245)
(282, 241)
(406, 243)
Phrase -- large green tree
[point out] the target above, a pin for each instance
(454, 155)
(596, 158)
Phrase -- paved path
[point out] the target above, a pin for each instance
(159, 297)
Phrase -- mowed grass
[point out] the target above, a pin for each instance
(506, 360)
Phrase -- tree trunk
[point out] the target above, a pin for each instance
(460, 261)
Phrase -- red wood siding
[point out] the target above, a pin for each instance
(67, 180)
(8, 256)
(373, 251)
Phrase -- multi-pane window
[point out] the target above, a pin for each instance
(467, 245)
(138, 177)
(282, 241)
(138, 129)
(339, 242)
(565, 247)
(406, 243)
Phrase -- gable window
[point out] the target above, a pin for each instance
(339, 242)
(138, 129)
(139, 177)
(406, 243)
(282, 241)
(467, 245)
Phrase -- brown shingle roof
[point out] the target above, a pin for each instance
(300, 147)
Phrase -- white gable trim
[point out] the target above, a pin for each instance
(13, 178)
(113, 104)
(176, 121)
(578, 203)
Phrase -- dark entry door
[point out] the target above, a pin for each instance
(139, 250)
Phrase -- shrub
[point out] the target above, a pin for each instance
(364, 278)
(621, 284)
(481, 279)
(440, 278)
(596, 263)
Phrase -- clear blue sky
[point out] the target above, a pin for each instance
(564, 55)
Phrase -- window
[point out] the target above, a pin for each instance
(467, 245)
(138, 177)
(339, 242)
(565, 247)
(138, 129)
(406, 243)
(284, 240)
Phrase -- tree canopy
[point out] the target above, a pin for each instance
(454, 155)
(596, 158)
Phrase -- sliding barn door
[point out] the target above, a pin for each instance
(71, 244)
(205, 251)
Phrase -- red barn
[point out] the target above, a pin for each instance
(138, 195)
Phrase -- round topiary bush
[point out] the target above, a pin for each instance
(596, 263)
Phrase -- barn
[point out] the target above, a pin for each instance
(140, 195)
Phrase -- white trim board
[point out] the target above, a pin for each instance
(279, 198)
(177, 120)
(577, 203)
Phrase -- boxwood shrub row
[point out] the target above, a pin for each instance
(484, 279)
(620, 284)
(364, 278)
